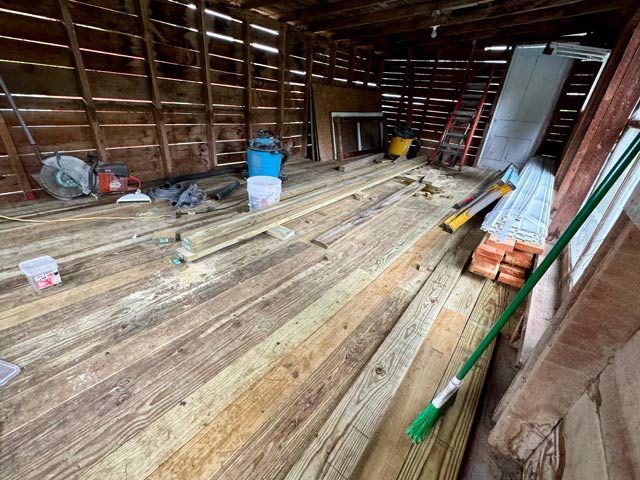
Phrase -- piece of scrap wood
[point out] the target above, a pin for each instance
(281, 233)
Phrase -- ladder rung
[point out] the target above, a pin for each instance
(465, 113)
(472, 96)
(456, 135)
(452, 147)
(476, 86)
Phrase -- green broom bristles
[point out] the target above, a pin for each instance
(423, 424)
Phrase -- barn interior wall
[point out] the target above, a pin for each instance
(132, 81)
(421, 92)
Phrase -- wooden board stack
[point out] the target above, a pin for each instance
(509, 260)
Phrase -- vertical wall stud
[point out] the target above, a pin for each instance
(412, 81)
(205, 69)
(428, 95)
(367, 71)
(83, 80)
(156, 103)
(406, 79)
(248, 72)
(379, 72)
(352, 63)
(282, 72)
(307, 94)
(14, 160)
(332, 63)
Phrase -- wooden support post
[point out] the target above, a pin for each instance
(83, 80)
(207, 94)
(307, 94)
(282, 77)
(605, 127)
(578, 345)
(403, 92)
(411, 80)
(352, 63)
(14, 160)
(247, 70)
(367, 71)
(429, 89)
(339, 139)
(156, 103)
(332, 63)
(467, 69)
(379, 72)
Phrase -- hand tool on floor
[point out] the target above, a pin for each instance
(499, 186)
(422, 425)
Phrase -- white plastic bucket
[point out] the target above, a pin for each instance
(263, 191)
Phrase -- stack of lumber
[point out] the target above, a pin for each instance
(508, 259)
(211, 238)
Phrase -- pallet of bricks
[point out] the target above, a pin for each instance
(508, 260)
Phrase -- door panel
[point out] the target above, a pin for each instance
(524, 109)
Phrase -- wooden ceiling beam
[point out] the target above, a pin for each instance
(313, 13)
(418, 32)
(449, 12)
(249, 4)
(535, 33)
(305, 15)
(553, 11)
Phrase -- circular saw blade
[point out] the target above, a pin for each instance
(58, 185)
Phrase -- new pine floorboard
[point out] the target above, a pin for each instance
(132, 368)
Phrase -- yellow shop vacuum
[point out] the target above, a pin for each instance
(401, 141)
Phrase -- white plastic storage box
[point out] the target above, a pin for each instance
(42, 272)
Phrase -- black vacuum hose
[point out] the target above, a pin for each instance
(212, 173)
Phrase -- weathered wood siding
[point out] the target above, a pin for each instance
(128, 79)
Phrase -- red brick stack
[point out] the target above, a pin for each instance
(509, 260)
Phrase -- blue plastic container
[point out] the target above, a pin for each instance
(264, 163)
(264, 155)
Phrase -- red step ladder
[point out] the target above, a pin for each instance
(458, 132)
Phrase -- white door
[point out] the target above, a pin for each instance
(530, 91)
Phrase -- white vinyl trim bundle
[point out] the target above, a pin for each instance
(524, 213)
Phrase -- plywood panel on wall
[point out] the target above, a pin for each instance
(328, 99)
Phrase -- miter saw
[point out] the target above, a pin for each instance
(65, 177)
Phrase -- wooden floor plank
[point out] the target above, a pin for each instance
(440, 454)
(317, 398)
(346, 434)
(133, 366)
(390, 445)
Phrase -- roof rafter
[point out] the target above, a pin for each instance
(548, 14)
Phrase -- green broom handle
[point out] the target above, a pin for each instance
(627, 158)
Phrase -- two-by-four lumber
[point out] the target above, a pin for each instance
(344, 438)
(360, 162)
(281, 233)
(152, 77)
(336, 233)
(246, 226)
(83, 80)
